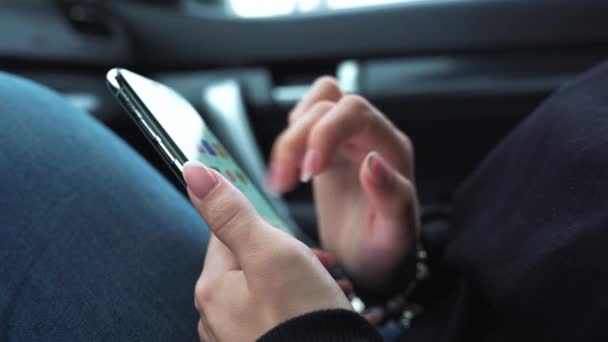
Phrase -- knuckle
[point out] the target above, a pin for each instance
(293, 252)
(203, 293)
(228, 208)
(406, 142)
(356, 103)
(319, 107)
(234, 219)
(326, 79)
(294, 114)
(289, 255)
(358, 113)
(322, 106)
(328, 86)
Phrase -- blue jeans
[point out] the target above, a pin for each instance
(94, 243)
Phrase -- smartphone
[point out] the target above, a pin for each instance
(179, 134)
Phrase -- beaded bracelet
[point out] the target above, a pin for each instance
(400, 306)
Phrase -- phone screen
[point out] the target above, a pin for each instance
(193, 138)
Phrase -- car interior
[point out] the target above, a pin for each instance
(455, 75)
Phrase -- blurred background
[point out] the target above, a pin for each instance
(455, 75)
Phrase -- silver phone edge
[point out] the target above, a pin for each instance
(145, 124)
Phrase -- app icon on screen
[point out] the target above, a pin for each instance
(209, 148)
(200, 149)
(220, 151)
(230, 176)
(241, 177)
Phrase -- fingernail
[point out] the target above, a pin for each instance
(270, 183)
(199, 178)
(309, 165)
(277, 171)
(377, 168)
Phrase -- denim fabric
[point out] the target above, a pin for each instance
(94, 243)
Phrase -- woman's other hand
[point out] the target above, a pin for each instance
(362, 168)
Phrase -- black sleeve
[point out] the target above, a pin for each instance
(326, 325)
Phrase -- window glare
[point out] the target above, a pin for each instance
(263, 8)
(309, 5)
(361, 3)
(270, 8)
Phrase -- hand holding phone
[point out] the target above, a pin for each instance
(255, 276)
